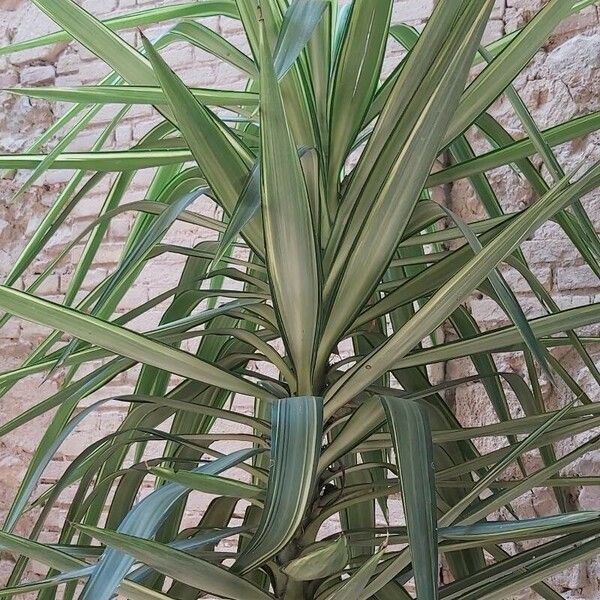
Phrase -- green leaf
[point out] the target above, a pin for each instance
(509, 566)
(99, 40)
(247, 206)
(390, 192)
(296, 425)
(450, 295)
(203, 539)
(517, 150)
(492, 81)
(209, 484)
(402, 89)
(509, 301)
(126, 160)
(355, 78)
(507, 338)
(151, 16)
(179, 565)
(208, 40)
(342, 285)
(56, 559)
(144, 520)
(225, 166)
(133, 94)
(353, 588)
(121, 341)
(299, 23)
(290, 242)
(538, 571)
(366, 419)
(60, 429)
(505, 529)
(318, 561)
(482, 483)
(411, 433)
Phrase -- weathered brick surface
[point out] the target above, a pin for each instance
(561, 82)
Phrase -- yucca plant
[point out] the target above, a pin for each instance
(319, 298)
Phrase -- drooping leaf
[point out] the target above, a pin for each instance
(136, 19)
(210, 484)
(120, 340)
(353, 588)
(449, 296)
(225, 165)
(143, 521)
(132, 94)
(180, 565)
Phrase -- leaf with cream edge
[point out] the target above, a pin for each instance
(411, 433)
(290, 240)
(297, 429)
(180, 566)
(121, 341)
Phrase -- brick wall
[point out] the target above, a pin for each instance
(561, 82)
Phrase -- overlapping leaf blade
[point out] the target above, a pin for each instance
(290, 237)
(411, 433)
(296, 425)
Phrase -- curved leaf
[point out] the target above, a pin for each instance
(320, 561)
(179, 565)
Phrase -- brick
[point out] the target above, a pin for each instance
(519, 285)
(110, 391)
(119, 228)
(410, 12)
(549, 251)
(88, 207)
(493, 31)
(134, 297)
(85, 141)
(486, 311)
(498, 10)
(178, 55)
(201, 75)
(110, 254)
(142, 127)
(68, 62)
(11, 330)
(33, 76)
(577, 22)
(93, 278)
(123, 135)
(57, 176)
(94, 71)
(10, 4)
(576, 278)
(50, 285)
(28, 23)
(9, 79)
(68, 80)
(99, 8)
